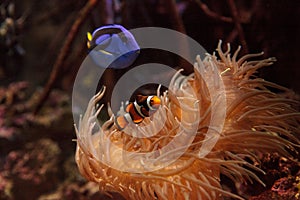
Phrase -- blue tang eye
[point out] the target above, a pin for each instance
(113, 46)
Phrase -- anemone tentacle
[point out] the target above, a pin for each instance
(257, 120)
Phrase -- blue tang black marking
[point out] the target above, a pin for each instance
(112, 44)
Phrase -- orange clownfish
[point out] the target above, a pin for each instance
(143, 106)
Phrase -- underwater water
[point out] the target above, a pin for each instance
(43, 46)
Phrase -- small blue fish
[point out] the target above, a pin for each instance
(112, 46)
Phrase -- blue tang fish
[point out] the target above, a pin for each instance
(112, 46)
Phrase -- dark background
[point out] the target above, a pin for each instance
(269, 26)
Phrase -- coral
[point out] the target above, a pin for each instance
(16, 109)
(35, 166)
(10, 119)
(27, 161)
(283, 189)
(280, 179)
(257, 120)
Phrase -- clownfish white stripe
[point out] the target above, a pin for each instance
(149, 104)
(138, 109)
(142, 107)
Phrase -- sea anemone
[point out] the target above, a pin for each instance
(231, 118)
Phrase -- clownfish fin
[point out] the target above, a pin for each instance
(138, 120)
(129, 106)
(121, 121)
